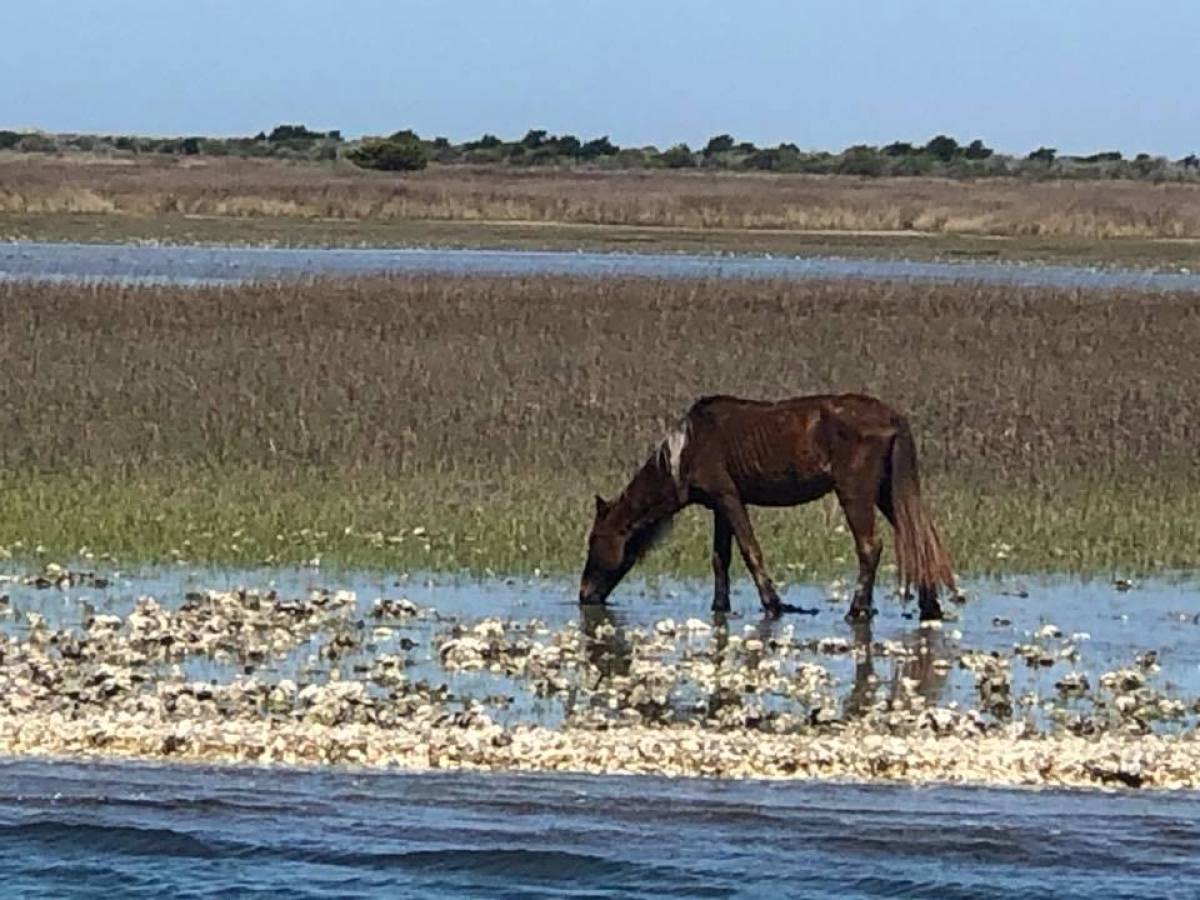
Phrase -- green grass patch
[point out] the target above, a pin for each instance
(249, 517)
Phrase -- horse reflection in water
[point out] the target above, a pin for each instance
(924, 648)
(610, 652)
(605, 644)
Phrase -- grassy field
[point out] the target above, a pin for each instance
(464, 423)
(260, 201)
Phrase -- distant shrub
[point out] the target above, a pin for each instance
(487, 142)
(721, 143)
(210, 147)
(596, 147)
(914, 165)
(784, 158)
(9, 139)
(860, 160)
(899, 148)
(977, 150)
(630, 158)
(677, 157)
(390, 155)
(1043, 155)
(37, 143)
(534, 138)
(282, 133)
(567, 145)
(544, 155)
(1147, 166)
(485, 154)
(444, 152)
(942, 147)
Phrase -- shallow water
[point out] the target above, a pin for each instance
(79, 830)
(1086, 628)
(215, 265)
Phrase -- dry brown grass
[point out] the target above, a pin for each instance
(545, 374)
(699, 200)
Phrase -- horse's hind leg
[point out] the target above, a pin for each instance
(722, 549)
(860, 516)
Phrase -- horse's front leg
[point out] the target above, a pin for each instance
(730, 505)
(721, 551)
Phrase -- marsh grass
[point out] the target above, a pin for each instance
(463, 423)
(704, 200)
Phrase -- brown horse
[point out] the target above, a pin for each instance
(728, 453)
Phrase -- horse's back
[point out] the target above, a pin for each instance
(858, 412)
(785, 451)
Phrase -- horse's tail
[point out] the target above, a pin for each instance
(923, 561)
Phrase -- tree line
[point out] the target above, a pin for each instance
(405, 150)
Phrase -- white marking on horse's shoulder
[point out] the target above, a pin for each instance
(673, 446)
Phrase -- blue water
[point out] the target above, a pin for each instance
(200, 265)
(77, 829)
(1108, 628)
(82, 830)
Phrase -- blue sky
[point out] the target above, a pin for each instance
(1079, 76)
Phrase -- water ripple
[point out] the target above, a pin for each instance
(72, 829)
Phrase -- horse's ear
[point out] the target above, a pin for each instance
(601, 506)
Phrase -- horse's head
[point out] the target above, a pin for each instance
(610, 555)
(614, 545)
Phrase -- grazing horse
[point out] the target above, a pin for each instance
(728, 453)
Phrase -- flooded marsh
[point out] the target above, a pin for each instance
(1027, 683)
(370, 425)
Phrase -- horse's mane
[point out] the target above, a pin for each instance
(647, 536)
(650, 535)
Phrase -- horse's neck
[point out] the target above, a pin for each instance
(651, 497)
